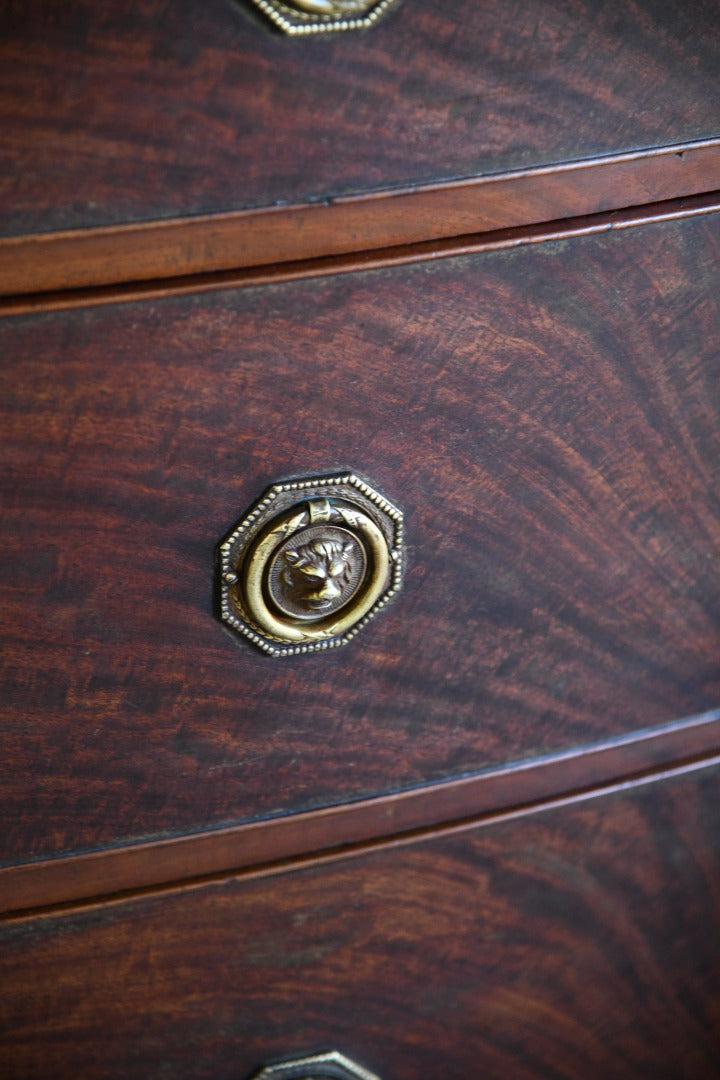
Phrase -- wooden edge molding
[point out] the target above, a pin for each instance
(180, 247)
(668, 210)
(277, 844)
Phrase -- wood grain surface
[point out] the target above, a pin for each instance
(495, 240)
(352, 226)
(579, 942)
(270, 846)
(119, 112)
(547, 418)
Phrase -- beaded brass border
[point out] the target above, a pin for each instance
(237, 549)
(293, 21)
(333, 1064)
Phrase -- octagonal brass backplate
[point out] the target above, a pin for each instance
(323, 16)
(310, 564)
(317, 1067)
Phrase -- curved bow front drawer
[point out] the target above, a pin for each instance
(579, 941)
(189, 108)
(547, 420)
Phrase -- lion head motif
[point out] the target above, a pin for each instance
(318, 572)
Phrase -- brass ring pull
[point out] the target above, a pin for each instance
(311, 564)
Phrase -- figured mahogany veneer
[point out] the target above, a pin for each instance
(577, 942)
(114, 112)
(548, 419)
(482, 840)
(277, 844)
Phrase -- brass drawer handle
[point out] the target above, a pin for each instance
(323, 16)
(310, 564)
(317, 1067)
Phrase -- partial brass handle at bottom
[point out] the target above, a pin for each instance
(330, 1066)
(323, 16)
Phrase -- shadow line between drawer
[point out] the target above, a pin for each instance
(182, 246)
(371, 259)
(279, 844)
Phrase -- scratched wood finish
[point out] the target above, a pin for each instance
(583, 941)
(548, 419)
(114, 112)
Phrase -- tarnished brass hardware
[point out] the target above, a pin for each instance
(317, 1067)
(323, 16)
(310, 564)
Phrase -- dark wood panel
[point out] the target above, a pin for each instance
(259, 238)
(547, 417)
(580, 942)
(115, 111)
(264, 847)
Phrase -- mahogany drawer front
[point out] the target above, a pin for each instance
(120, 112)
(547, 418)
(580, 941)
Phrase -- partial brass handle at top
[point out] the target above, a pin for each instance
(318, 1067)
(323, 16)
(310, 564)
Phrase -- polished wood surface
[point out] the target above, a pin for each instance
(481, 841)
(352, 225)
(118, 112)
(578, 942)
(548, 419)
(496, 240)
(269, 846)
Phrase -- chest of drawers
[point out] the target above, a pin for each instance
(471, 256)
